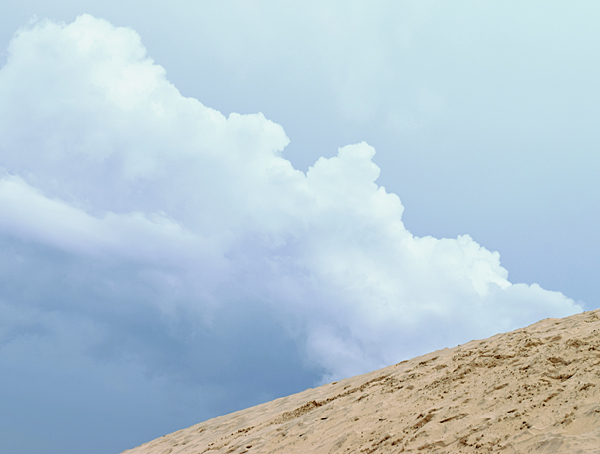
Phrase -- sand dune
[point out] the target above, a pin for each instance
(533, 390)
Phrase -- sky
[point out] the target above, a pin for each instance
(209, 205)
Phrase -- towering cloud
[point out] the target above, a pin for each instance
(138, 223)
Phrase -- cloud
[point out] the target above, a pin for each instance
(193, 248)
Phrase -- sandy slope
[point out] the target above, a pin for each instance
(531, 390)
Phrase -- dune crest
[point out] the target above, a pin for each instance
(535, 389)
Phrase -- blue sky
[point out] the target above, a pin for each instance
(206, 206)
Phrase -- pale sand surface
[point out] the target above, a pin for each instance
(533, 390)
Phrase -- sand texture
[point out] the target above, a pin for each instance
(533, 390)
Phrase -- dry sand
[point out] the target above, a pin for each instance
(533, 390)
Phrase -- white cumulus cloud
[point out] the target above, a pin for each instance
(105, 161)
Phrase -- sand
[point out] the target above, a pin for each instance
(533, 390)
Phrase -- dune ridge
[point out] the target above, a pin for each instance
(534, 389)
